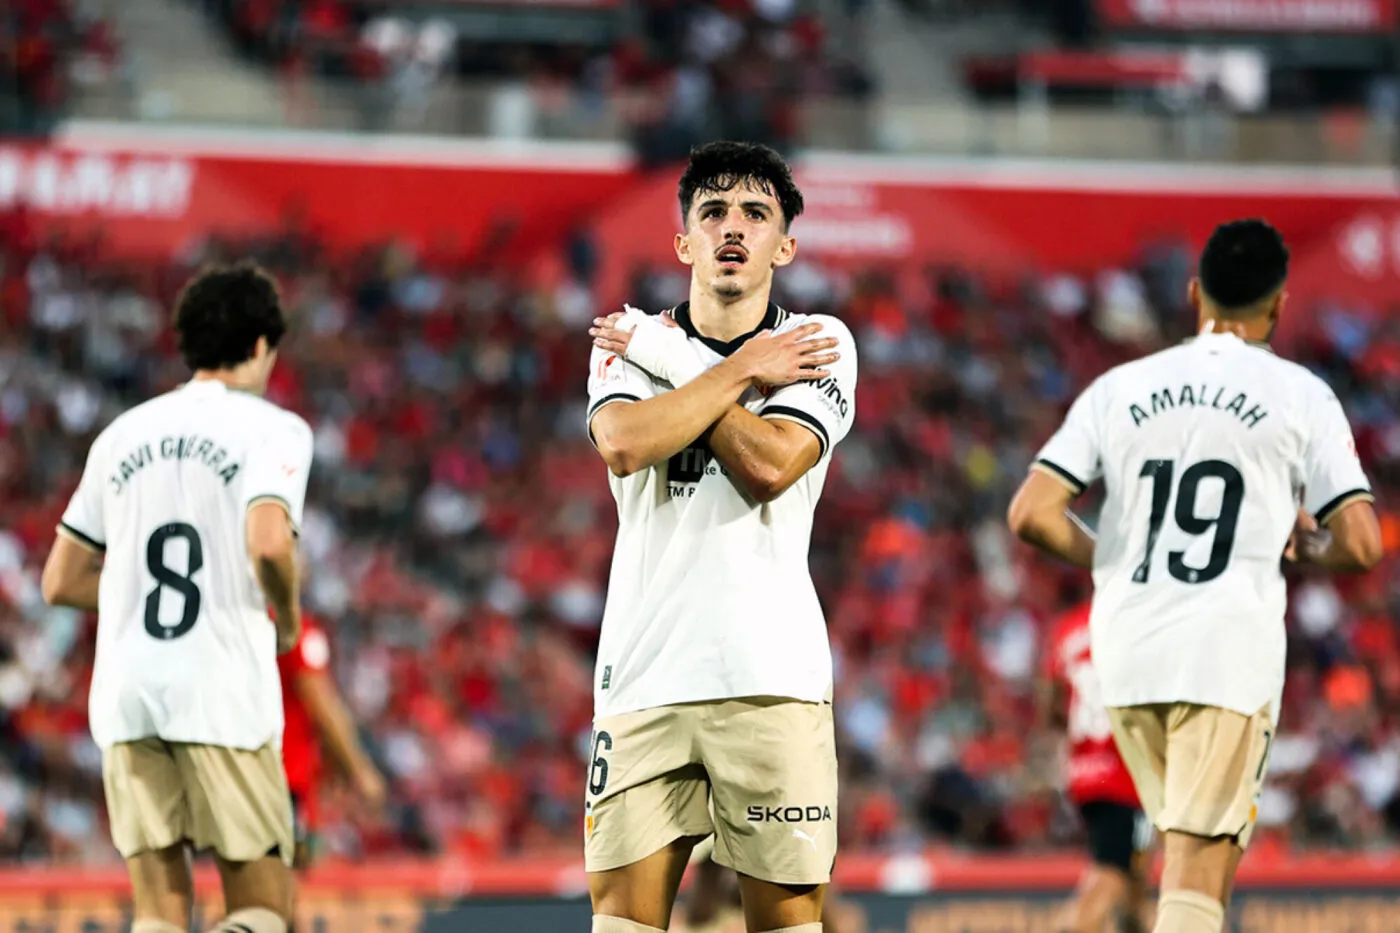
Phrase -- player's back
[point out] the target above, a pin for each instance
(185, 648)
(1205, 448)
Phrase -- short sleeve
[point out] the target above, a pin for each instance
(1074, 454)
(279, 467)
(613, 379)
(828, 406)
(314, 650)
(1332, 474)
(83, 519)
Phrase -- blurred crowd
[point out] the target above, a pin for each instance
(459, 529)
(46, 48)
(672, 63)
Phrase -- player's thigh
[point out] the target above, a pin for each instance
(1140, 733)
(643, 891)
(240, 808)
(161, 885)
(146, 804)
(772, 768)
(644, 787)
(1218, 761)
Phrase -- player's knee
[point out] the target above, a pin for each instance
(1189, 912)
(253, 920)
(155, 926)
(602, 924)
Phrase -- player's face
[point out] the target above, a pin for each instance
(734, 240)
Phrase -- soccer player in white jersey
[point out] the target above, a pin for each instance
(713, 681)
(1206, 451)
(180, 535)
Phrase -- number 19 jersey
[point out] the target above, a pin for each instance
(1206, 451)
(185, 650)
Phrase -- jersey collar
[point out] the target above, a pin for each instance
(1257, 344)
(771, 319)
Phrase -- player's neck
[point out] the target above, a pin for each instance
(238, 379)
(1254, 330)
(725, 321)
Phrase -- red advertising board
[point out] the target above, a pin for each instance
(1263, 16)
(937, 890)
(557, 4)
(151, 194)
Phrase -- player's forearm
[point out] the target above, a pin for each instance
(335, 725)
(1330, 552)
(1350, 543)
(277, 576)
(636, 436)
(759, 454)
(1059, 534)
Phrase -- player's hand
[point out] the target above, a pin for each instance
(371, 789)
(607, 336)
(797, 355)
(655, 343)
(1306, 540)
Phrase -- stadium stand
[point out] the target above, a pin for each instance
(46, 47)
(667, 66)
(459, 530)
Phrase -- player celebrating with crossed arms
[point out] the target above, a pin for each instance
(180, 535)
(1204, 450)
(713, 682)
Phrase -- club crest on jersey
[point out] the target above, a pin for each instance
(604, 365)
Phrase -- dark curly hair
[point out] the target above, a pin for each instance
(223, 311)
(1244, 262)
(723, 166)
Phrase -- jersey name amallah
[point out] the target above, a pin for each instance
(193, 447)
(1198, 397)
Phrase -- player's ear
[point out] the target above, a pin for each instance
(787, 252)
(1279, 301)
(683, 249)
(1193, 294)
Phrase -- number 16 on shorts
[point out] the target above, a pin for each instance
(600, 743)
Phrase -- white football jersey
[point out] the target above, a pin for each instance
(710, 594)
(185, 648)
(1206, 451)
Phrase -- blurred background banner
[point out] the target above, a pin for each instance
(145, 194)
(1328, 16)
(946, 893)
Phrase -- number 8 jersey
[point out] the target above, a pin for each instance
(1206, 451)
(185, 650)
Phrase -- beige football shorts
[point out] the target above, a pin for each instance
(230, 800)
(758, 772)
(1218, 759)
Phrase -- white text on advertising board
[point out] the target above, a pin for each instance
(51, 182)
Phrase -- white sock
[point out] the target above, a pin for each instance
(252, 920)
(602, 924)
(1189, 912)
(155, 926)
